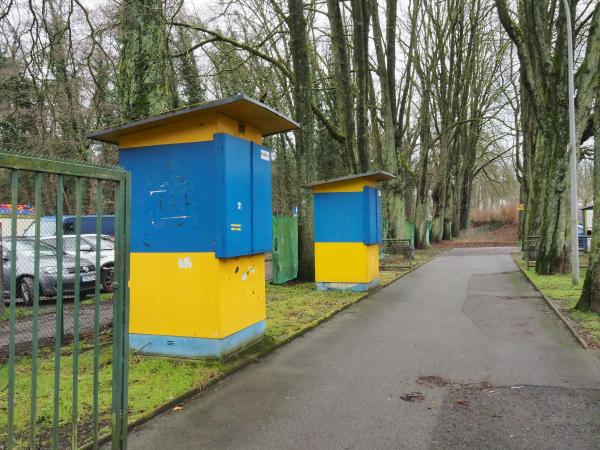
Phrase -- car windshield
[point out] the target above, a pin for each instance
(105, 242)
(69, 243)
(26, 247)
(47, 228)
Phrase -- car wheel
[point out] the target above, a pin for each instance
(106, 279)
(26, 290)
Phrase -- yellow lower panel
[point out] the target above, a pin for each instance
(242, 292)
(194, 294)
(346, 262)
(373, 261)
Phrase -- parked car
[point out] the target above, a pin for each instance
(48, 273)
(88, 250)
(88, 226)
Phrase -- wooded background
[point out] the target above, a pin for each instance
(465, 101)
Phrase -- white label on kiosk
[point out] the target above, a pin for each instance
(185, 263)
(265, 154)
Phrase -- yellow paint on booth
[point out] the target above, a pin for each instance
(242, 292)
(198, 127)
(346, 262)
(372, 261)
(353, 185)
(228, 125)
(195, 294)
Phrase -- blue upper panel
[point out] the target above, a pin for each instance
(379, 218)
(262, 222)
(339, 217)
(372, 216)
(348, 216)
(243, 207)
(234, 196)
(172, 197)
(201, 197)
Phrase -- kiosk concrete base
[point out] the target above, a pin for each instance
(355, 287)
(193, 347)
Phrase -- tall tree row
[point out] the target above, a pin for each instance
(538, 30)
(416, 88)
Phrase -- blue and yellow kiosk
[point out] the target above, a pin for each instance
(348, 231)
(200, 225)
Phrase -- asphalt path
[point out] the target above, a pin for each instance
(462, 353)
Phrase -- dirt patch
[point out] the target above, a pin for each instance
(413, 397)
(432, 381)
(484, 236)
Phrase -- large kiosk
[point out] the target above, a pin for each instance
(200, 225)
(348, 231)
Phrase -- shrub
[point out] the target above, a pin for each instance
(504, 215)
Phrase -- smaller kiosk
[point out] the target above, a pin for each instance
(347, 219)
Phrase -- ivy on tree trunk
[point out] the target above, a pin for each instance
(145, 75)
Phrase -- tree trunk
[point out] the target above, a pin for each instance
(421, 201)
(144, 73)
(343, 85)
(590, 295)
(360, 21)
(395, 202)
(305, 152)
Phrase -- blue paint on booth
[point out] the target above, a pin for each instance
(212, 196)
(234, 197)
(171, 185)
(348, 216)
(193, 347)
(339, 217)
(370, 215)
(262, 223)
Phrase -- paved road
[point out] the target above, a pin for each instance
(462, 353)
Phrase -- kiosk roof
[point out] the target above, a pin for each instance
(378, 175)
(239, 107)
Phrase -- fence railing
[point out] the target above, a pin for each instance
(63, 333)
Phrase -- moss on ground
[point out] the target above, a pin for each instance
(562, 293)
(154, 381)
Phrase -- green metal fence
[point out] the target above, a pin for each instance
(63, 334)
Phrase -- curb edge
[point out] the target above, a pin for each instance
(566, 321)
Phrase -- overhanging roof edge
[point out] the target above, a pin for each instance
(101, 135)
(379, 175)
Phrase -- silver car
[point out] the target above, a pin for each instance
(48, 272)
(88, 250)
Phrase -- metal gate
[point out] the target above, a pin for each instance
(64, 311)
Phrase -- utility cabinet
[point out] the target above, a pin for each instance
(348, 231)
(200, 225)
